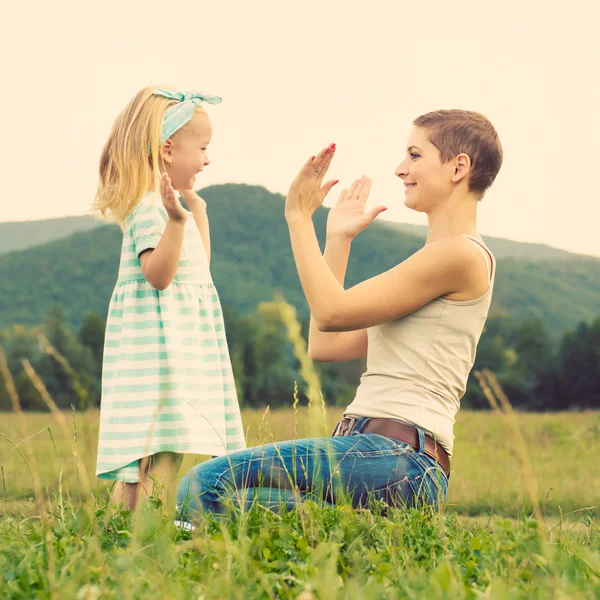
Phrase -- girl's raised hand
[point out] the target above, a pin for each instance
(192, 200)
(307, 191)
(170, 201)
(348, 218)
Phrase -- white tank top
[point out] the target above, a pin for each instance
(418, 365)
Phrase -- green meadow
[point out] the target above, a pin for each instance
(520, 521)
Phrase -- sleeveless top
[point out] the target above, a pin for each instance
(418, 365)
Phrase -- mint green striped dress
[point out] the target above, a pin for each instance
(167, 381)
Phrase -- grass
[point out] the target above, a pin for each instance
(518, 522)
(486, 472)
(486, 543)
(88, 551)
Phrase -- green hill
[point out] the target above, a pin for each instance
(501, 247)
(252, 260)
(25, 234)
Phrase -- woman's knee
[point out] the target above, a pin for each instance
(202, 478)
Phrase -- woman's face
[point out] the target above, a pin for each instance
(186, 151)
(427, 180)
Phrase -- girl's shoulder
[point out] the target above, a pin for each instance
(150, 205)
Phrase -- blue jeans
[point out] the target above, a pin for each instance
(352, 469)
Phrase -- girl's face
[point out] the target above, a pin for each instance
(427, 180)
(186, 151)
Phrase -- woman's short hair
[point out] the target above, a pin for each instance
(454, 132)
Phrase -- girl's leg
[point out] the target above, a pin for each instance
(160, 477)
(125, 494)
(128, 494)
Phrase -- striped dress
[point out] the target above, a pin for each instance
(167, 381)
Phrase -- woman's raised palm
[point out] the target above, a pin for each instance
(348, 218)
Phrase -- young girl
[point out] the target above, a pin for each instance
(167, 383)
(418, 324)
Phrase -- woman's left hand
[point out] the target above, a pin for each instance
(308, 191)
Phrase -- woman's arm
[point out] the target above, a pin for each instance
(336, 346)
(347, 218)
(436, 270)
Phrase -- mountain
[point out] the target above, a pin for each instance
(501, 247)
(24, 234)
(252, 260)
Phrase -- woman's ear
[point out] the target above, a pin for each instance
(462, 167)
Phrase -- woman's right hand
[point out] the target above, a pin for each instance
(348, 218)
(170, 201)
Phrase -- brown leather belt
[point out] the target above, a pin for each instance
(401, 432)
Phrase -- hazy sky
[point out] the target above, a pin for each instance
(295, 76)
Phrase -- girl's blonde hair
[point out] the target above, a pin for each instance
(130, 160)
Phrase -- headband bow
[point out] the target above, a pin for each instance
(178, 115)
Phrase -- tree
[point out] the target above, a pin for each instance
(579, 357)
(536, 366)
(61, 384)
(91, 335)
(275, 367)
(19, 342)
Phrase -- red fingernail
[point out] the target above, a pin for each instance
(333, 146)
(327, 151)
(336, 182)
(312, 158)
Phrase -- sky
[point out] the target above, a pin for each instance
(295, 76)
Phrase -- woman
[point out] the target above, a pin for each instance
(418, 325)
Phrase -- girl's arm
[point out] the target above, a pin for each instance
(159, 264)
(336, 346)
(198, 208)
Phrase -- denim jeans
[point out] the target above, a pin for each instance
(352, 469)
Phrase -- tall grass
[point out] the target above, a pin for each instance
(60, 537)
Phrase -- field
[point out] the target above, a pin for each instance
(488, 542)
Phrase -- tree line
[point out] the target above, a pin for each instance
(538, 371)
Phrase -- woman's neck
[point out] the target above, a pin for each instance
(456, 216)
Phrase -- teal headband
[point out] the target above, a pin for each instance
(178, 115)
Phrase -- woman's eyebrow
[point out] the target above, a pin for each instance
(413, 148)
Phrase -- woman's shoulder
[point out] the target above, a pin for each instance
(462, 247)
(480, 247)
(477, 265)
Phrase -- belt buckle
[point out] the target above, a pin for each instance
(348, 430)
